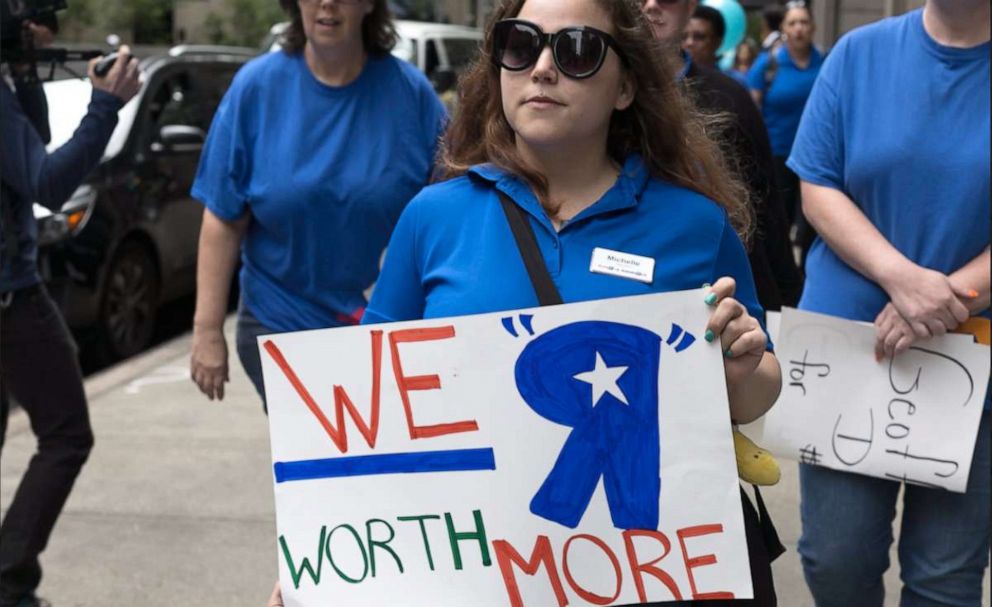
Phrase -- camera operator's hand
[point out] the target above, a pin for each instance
(41, 35)
(123, 78)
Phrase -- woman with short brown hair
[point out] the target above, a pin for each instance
(311, 157)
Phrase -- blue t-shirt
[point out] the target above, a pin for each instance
(900, 124)
(783, 101)
(453, 252)
(325, 172)
(740, 77)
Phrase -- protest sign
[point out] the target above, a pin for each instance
(577, 454)
(913, 418)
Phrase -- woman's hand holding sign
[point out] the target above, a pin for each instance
(753, 376)
(928, 300)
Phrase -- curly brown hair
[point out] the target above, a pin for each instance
(661, 124)
(378, 30)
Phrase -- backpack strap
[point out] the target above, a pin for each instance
(540, 278)
(771, 68)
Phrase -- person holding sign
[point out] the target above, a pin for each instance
(312, 155)
(579, 138)
(899, 193)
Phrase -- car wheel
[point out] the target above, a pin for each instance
(130, 301)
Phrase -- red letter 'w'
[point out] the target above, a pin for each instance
(338, 432)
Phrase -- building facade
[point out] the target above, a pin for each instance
(833, 17)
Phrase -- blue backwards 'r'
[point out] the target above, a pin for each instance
(601, 379)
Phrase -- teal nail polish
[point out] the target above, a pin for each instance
(710, 299)
(706, 285)
(727, 353)
(709, 336)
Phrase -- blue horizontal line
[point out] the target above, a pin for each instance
(386, 463)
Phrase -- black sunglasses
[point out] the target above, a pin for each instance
(578, 51)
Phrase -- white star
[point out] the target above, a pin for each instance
(603, 379)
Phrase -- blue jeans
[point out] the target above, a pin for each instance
(943, 544)
(248, 329)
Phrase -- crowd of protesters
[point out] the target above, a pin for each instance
(793, 177)
(587, 120)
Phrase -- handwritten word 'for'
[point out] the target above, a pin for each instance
(405, 384)
(374, 544)
(798, 371)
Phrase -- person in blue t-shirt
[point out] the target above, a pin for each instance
(594, 149)
(780, 82)
(893, 153)
(312, 155)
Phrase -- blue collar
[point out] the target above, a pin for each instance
(784, 58)
(624, 194)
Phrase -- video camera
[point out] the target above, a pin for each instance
(16, 44)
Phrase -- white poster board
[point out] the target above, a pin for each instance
(911, 419)
(578, 453)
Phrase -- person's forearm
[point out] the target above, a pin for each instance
(751, 398)
(55, 176)
(851, 235)
(220, 242)
(975, 275)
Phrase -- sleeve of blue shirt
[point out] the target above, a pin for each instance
(399, 293)
(818, 152)
(221, 179)
(49, 179)
(435, 118)
(731, 260)
(756, 75)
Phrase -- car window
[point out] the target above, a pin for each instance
(189, 96)
(431, 58)
(461, 52)
(172, 101)
(405, 50)
(213, 82)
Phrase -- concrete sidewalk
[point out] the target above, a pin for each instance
(175, 505)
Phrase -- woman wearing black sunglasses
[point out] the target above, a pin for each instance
(572, 118)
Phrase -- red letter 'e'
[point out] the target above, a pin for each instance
(422, 382)
(699, 561)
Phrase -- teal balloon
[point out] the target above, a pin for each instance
(726, 61)
(735, 20)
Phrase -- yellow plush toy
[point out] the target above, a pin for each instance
(754, 464)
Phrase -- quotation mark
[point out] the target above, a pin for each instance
(525, 322)
(680, 335)
(809, 455)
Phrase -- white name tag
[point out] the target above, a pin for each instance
(624, 265)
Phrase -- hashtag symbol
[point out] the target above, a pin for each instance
(809, 455)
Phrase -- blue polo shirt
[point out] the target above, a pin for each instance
(453, 253)
(783, 101)
(325, 172)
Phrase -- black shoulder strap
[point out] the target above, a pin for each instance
(547, 293)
